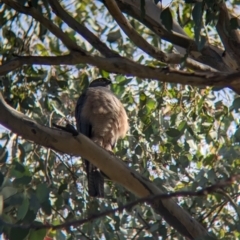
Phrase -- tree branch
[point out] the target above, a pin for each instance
(31, 11)
(231, 201)
(140, 42)
(82, 30)
(137, 39)
(152, 20)
(114, 168)
(229, 37)
(125, 66)
(75, 223)
(209, 55)
(157, 27)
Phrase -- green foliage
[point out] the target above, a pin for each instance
(181, 137)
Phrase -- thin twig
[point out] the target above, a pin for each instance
(203, 192)
(138, 232)
(228, 197)
(46, 162)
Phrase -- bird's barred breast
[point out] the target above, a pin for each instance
(106, 114)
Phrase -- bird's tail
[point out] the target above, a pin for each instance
(95, 181)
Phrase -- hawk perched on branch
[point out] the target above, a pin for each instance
(101, 117)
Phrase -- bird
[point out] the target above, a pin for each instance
(100, 116)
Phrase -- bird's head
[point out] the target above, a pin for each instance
(100, 82)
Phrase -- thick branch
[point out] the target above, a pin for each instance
(114, 168)
(125, 66)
